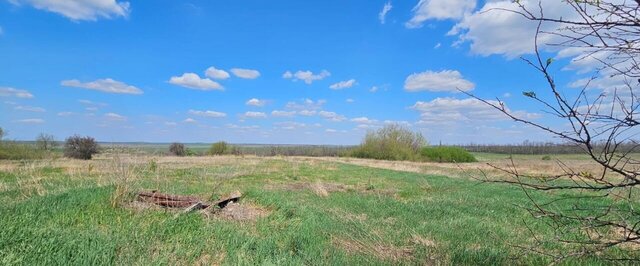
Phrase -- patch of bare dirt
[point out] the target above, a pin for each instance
(378, 250)
(241, 212)
(420, 240)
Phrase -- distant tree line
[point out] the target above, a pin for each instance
(537, 148)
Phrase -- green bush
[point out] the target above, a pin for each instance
(392, 142)
(444, 154)
(10, 150)
(219, 148)
(546, 158)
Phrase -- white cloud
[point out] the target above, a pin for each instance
(256, 102)
(12, 92)
(115, 117)
(343, 84)
(437, 46)
(190, 120)
(332, 116)
(91, 103)
(170, 124)
(383, 13)
(254, 115)
(193, 81)
(443, 81)
(364, 120)
(492, 30)
(80, 9)
(290, 125)
(331, 130)
(104, 85)
(207, 113)
(215, 73)
(278, 113)
(439, 9)
(451, 111)
(307, 76)
(307, 112)
(65, 113)
(374, 89)
(30, 121)
(306, 104)
(245, 73)
(350, 100)
(29, 108)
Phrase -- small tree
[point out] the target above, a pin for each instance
(392, 142)
(177, 149)
(45, 142)
(219, 148)
(77, 147)
(2, 133)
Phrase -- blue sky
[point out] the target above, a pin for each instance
(253, 71)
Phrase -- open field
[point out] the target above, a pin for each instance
(308, 211)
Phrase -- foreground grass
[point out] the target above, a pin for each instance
(68, 212)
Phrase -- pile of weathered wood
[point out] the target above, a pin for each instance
(188, 203)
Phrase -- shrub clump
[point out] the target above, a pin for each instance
(177, 149)
(444, 154)
(219, 148)
(83, 148)
(11, 150)
(392, 142)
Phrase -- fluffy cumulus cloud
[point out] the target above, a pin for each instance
(332, 116)
(30, 121)
(13, 92)
(193, 81)
(439, 9)
(443, 81)
(492, 30)
(190, 121)
(80, 9)
(280, 113)
(364, 120)
(343, 84)
(254, 115)
(115, 117)
(29, 108)
(382, 16)
(208, 113)
(452, 111)
(307, 112)
(245, 73)
(289, 125)
(307, 76)
(306, 104)
(104, 85)
(215, 73)
(256, 102)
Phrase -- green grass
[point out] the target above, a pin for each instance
(69, 218)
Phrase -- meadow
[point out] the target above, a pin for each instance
(311, 210)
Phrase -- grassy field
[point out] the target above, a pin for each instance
(328, 211)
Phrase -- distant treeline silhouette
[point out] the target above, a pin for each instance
(529, 147)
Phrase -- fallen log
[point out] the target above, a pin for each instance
(188, 202)
(157, 195)
(233, 197)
